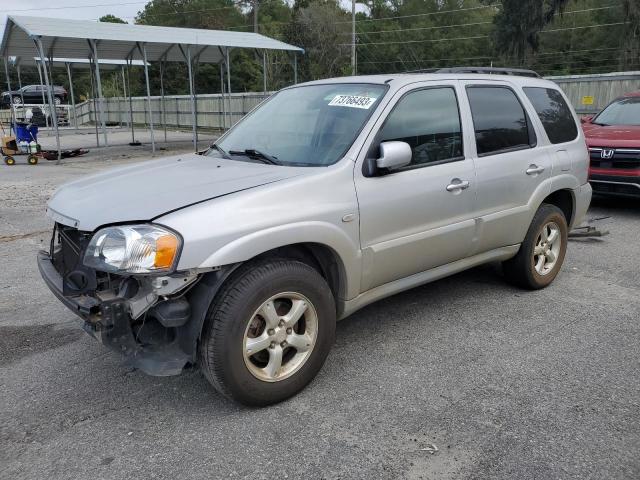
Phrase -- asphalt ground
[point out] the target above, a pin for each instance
(504, 383)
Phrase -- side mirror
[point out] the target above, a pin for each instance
(394, 155)
(586, 119)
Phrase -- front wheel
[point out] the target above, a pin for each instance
(268, 332)
(540, 257)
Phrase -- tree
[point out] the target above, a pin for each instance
(519, 22)
(631, 36)
(322, 29)
(111, 19)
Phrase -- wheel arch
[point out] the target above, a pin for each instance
(565, 200)
(319, 256)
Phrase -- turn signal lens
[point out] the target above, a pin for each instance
(166, 251)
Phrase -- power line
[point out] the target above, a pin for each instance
(425, 28)
(533, 62)
(430, 40)
(586, 26)
(405, 16)
(478, 23)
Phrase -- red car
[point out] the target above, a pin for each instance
(613, 138)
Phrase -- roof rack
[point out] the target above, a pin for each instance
(490, 70)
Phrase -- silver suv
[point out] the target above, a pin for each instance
(327, 197)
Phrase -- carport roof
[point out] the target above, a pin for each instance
(69, 38)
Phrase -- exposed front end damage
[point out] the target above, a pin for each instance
(148, 319)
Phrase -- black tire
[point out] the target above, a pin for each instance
(520, 270)
(221, 348)
(17, 101)
(32, 160)
(9, 160)
(57, 101)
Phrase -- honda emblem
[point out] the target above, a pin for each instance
(607, 153)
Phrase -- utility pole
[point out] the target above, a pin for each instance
(255, 15)
(353, 37)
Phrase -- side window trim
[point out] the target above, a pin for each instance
(533, 137)
(376, 138)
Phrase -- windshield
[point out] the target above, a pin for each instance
(625, 111)
(309, 125)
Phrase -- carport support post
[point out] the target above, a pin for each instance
(164, 112)
(73, 97)
(124, 88)
(133, 138)
(223, 122)
(52, 106)
(193, 99)
(264, 72)
(46, 119)
(93, 99)
(295, 67)
(6, 71)
(229, 86)
(96, 64)
(146, 77)
(20, 87)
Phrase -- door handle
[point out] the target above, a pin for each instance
(457, 185)
(534, 169)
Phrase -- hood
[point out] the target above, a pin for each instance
(147, 190)
(617, 136)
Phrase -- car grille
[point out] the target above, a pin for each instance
(67, 249)
(617, 188)
(67, 245)
(615, 158)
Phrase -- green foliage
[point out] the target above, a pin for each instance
(550, 36)
(111, 19)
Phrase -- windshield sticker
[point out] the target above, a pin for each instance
(352, 101)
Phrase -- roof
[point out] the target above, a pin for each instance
(75, 62)
(400, 79)
(63, 37)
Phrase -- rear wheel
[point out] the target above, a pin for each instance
(32, 160)
(541, 255)
(268, 332)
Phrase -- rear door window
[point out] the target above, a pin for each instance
(500, 122)
(554, 113)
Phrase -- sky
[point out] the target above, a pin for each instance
(78, 9)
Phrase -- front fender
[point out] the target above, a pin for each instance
(253, 244)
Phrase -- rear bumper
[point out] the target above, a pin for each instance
(110, 323)
(627, 186)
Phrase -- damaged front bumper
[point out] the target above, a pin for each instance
(148, 327)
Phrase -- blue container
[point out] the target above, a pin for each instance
(25, 131)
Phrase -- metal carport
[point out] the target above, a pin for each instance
(54, 37)
(70, 64)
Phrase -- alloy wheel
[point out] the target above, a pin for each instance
(547, 248)
(280, 336)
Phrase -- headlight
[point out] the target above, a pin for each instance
(133, 249)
